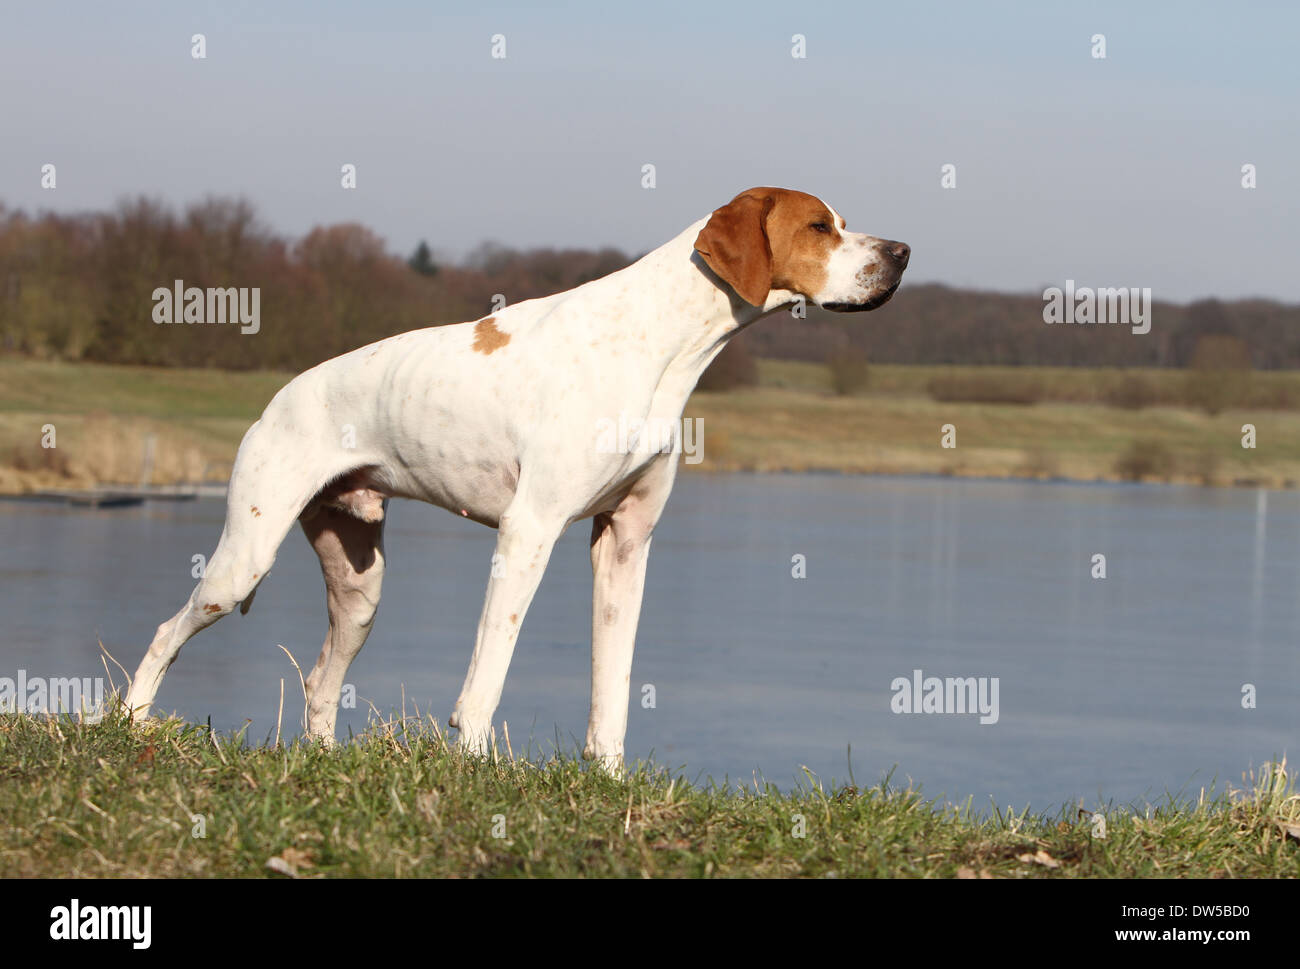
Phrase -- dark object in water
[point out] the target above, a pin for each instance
(84, 499)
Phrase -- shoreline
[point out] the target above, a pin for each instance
(96, 426)
(42, 489)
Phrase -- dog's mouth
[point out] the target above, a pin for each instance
(871, 304)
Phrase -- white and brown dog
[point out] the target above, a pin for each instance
(497, 420)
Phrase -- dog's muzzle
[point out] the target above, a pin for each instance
(890, 274)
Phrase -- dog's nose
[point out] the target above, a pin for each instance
(899, 252)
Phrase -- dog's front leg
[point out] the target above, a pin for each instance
(524, 544)
(620, 550)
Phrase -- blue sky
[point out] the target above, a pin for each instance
(1116, 172)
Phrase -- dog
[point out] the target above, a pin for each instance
(497, 420)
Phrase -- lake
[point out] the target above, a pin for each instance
(1115, 689)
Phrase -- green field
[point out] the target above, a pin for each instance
(168, 799)
(103, 416)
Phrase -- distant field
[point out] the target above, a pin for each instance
(103, 416)
(792, 420)
(28, 386)
(1270, 389)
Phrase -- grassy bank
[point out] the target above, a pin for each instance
(169, 799)
(105, 415)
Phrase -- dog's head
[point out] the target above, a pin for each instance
(776, 239)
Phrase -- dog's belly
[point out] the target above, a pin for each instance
(456, 457)
(480, 492)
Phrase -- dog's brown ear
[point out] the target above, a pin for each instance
(734, 245)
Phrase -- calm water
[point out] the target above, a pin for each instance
(1119, 689)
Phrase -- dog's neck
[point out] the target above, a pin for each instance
(695, 312)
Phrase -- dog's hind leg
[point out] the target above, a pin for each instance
(228, 579)
(260, 509)
(351, 553)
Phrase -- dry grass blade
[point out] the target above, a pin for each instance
(302, 681)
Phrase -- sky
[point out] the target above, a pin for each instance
(1122, 171)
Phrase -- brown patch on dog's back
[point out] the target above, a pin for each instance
(211, 607)
(487, 338)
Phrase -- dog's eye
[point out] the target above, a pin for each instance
(820, 227)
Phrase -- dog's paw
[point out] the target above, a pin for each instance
(610, 763)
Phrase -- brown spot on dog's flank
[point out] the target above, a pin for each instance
(256, 513)
(487, 338)
(514, 617)
(211, 607)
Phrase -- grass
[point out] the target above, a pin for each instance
(1079, 385)
(121, 801)
(770, 428)
(54, 388)
(105, 415)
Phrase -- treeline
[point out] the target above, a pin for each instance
(929, 323)
(81, 288)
